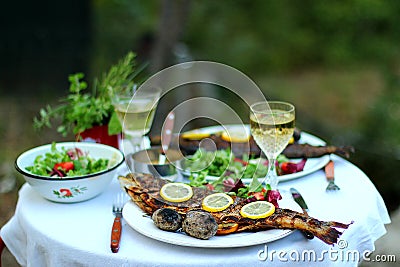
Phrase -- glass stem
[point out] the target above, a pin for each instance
(272, 178)
(136, 143)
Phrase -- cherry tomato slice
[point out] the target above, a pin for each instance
(65, 166)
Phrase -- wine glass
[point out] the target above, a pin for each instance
(135, 110)
(272, 126)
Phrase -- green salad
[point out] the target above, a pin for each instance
(224, 163)
(230, 171)
(64, 163)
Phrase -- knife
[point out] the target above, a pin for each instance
(166, 136)
(301, 202)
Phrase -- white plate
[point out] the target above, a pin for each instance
(312, 164)
(134, 216)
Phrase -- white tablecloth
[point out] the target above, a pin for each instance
(43, 233)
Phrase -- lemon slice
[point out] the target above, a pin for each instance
(235, 136)
(216, 202)
(176, 192)
(195, 135)
(291, 141)
(257, 210)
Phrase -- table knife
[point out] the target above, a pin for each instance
(302, 203)
(166, 136)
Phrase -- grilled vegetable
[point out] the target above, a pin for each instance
(200, 224)
(167, 219)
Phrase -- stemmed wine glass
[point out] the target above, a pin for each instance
(272, 126)
(135, 110)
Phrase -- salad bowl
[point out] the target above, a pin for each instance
(77, 186)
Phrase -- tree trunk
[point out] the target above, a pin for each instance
(174, 14)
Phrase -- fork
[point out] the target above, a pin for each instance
(330, 176)
(117, 207)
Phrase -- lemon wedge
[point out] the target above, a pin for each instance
(235, 136)
(195, 135)
(176, 192)
(216, 202)
(257, 210)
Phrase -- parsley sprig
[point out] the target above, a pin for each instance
(83, 109)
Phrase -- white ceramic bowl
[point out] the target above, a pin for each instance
(74, 188)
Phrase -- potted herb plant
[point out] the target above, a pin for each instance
(90, 114)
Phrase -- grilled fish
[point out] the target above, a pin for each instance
(309, 151)
(144, 189)
(295, 150)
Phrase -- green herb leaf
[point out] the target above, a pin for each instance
(254, 185)
(114, 126)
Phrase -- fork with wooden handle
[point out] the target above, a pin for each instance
(117, 226)
(330, 176)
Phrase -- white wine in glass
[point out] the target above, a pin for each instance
(137, 116)
(135, 110)
(272, 125)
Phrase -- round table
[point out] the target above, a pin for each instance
(44, 233)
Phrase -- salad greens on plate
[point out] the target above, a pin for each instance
(223, 163)
(229, 170)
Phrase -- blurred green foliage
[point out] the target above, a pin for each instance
(286, 35)
(258, 36)
(383, 119)
(117, 28)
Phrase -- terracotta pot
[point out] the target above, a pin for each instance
(99, 134)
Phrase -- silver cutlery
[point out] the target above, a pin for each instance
(298, 198)
(330, 176)
(117, 207)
